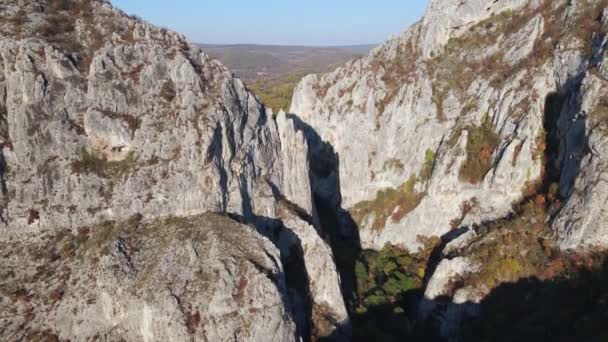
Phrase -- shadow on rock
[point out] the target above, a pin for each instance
(573, 307)
(294, 269)
(337, 226)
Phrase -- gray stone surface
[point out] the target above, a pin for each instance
(583, 222)
(103, 117)
(203, 278)
(420, 91)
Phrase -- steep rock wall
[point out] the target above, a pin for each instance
(104, 117)
(446, 125)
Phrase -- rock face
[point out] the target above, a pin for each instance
(453, 121)
(201, 278)
(448, 19)
(150, 125)
(104, 117)
(583, 221)
(463, 127)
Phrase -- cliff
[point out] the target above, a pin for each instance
(470, 110)
(482, 125)
(103, 118)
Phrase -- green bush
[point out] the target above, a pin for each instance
(389, 283)
(429, 163)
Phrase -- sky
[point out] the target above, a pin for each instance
(282, 22)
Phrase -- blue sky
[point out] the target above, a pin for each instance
(286, 22)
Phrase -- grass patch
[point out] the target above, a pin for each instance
(392, 202)
(90, 163)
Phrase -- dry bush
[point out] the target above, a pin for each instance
(481, 143)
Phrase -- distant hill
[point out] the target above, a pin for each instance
(250, 62)
(272, 71)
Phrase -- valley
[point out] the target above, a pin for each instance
(273, 71)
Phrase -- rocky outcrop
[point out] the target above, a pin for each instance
(150, 125)
(443, 299)
(445, 20)
(294, 150)
(104, 117)
(202, 278)
(327, 305)
(446, 125)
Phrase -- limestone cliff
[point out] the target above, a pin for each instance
(468, 111)
(202, 278)
(104, 117)
(483, 124)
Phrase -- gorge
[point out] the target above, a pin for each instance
(449, 185)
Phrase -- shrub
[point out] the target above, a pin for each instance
(465, 209)
(32, 216)
(383, 275)
(134, 123)
(511, 249)
(395, 202)
(481, 143)
(193, 320)
(397, 72)
(588, 22)
(134, 74)
(429, 163)
(553, 192)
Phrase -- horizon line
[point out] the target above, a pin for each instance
(285, 45)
